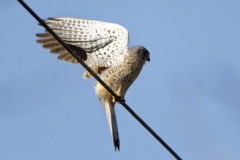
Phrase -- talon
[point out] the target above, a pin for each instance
(122, 100)
(114, 99)
(118, 99)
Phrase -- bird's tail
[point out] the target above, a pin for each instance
(112, 122)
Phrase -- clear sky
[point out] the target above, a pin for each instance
(189, 93)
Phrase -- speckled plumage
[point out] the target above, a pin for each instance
(104, 43)
(103, 47)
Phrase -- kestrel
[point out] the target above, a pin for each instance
(104, 48)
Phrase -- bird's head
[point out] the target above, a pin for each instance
(141, 52)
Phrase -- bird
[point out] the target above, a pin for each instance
(103, 46)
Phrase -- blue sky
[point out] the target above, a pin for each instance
(189, 93)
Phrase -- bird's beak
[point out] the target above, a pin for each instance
(148, 59)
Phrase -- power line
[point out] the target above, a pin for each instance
(117, 98)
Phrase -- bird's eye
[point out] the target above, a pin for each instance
(141, 54)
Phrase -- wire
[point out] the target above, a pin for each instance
(117, 98)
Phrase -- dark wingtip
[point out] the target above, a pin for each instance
(116, 145)
(50, 18)
(40, 23)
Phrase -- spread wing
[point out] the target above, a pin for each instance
(99, 44)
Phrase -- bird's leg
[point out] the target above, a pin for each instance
(119, 99)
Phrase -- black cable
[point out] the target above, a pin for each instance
(117, 98)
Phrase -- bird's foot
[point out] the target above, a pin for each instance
(118, 99)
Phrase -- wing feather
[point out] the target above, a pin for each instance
(105, 44)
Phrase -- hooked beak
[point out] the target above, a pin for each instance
(148, 59)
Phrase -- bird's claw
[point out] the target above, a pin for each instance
(118, 99)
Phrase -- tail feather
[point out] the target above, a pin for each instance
(112, 122)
